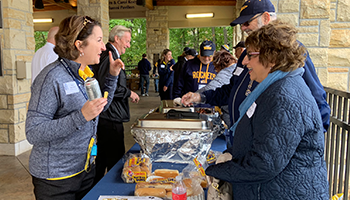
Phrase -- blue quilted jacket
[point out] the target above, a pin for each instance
(278, 151)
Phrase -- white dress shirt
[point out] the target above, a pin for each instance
(43, 56)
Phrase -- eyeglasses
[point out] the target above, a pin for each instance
(247, 23)
(251, 54)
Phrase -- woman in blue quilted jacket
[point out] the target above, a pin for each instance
(278, 143)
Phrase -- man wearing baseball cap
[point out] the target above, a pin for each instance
(197, 72)
(253, 15)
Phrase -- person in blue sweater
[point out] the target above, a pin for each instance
(198, 72)
(254, 15)
(278, 144)
(61, 121)
(166, 75)
(144, 67)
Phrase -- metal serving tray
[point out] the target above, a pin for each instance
(167, 105)
(159, 121)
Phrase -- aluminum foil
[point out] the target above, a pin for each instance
(176, 145)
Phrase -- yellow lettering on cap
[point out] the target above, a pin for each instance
(244, 7)
(207, 48)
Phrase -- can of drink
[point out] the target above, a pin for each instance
(92, 89)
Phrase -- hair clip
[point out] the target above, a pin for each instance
(86, 21)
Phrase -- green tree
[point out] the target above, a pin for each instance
(193, 37)
(40, 39)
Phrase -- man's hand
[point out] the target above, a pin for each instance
(190, 98)
(165, 88)
(135, 98)
(91, 109)
(115, 65)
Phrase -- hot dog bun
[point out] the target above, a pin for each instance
(156, 192)
(166, 173)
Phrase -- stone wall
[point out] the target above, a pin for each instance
(323, 27)
(17, 44)
(157, 31)
(98, 10)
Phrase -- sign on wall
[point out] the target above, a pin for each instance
(124, 5)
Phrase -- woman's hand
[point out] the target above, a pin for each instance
(190, 98)
(115, 65)
(91, 109)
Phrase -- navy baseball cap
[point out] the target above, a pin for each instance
(240, 44)
(191, 52)
(226, 47)
(207, 48)
(252, 7)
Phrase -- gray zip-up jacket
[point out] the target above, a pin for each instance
(55, 124)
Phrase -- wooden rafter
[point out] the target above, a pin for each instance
(196, 2)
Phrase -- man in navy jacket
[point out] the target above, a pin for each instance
(197, 72)
(144, 67)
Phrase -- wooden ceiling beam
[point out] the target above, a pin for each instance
(196, 2)
(149, 4)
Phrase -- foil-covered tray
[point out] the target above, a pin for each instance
(174, 140)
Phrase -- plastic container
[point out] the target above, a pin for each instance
(179, 191)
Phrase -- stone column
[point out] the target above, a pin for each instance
(17, 44)
(157, 31)
(98, 10)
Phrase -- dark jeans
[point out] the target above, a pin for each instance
(74, 188)
(110, 146)
(156, 84)
(143, 78)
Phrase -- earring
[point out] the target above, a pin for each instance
(82, 54)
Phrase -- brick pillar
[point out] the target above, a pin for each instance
(98, 10)
(157, 31)
(17, 44)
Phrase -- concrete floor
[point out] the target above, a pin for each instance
(15, 180)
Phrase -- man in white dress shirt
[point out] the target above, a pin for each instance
(45, 55)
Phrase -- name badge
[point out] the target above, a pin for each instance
(70, 87)
(251, 110)
(238, 71)
(162, 66)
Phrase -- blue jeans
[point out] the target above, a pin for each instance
(156, 84)
(143, 78)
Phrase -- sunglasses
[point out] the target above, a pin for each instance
(247, 23)
(251, 54)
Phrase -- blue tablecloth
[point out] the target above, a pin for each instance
(112, 183)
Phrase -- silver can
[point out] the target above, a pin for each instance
(92, 89)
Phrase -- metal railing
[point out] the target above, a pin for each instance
(337, 142)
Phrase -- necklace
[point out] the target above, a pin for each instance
(248, 91)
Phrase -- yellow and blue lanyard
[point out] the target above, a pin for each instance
(206, 73)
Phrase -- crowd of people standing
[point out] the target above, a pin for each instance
(273, 104)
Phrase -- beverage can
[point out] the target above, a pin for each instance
(92, 89)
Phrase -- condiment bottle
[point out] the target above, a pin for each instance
(179, 191)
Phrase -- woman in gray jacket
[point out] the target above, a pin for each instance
(61, 121)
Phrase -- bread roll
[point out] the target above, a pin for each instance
(166, 186)
(156, 192)
(166, 173)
